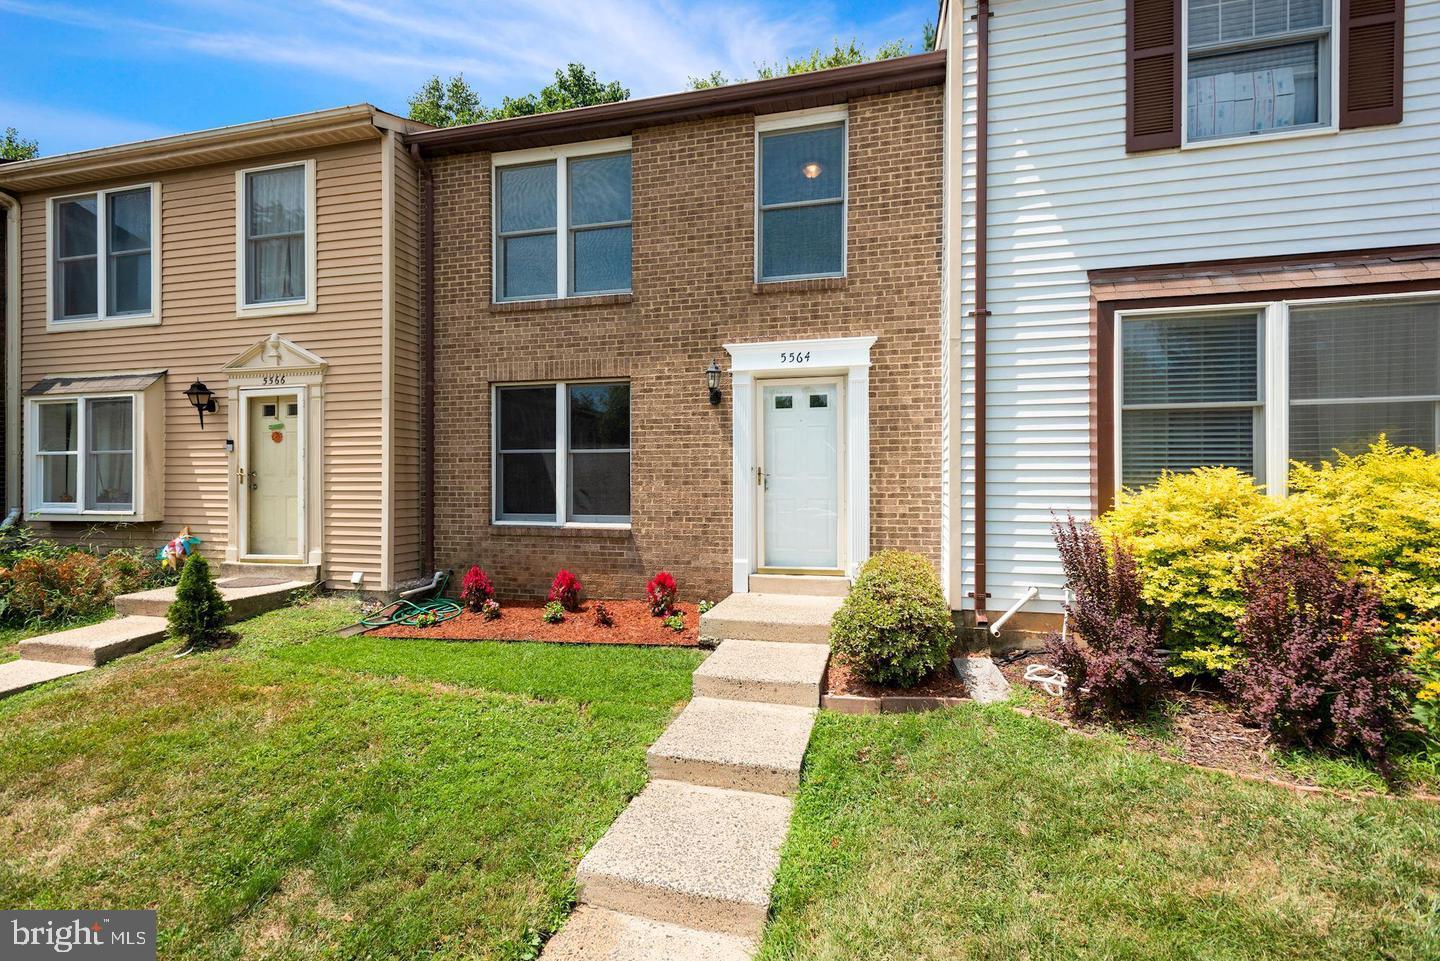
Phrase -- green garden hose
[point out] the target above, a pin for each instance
(424, 613)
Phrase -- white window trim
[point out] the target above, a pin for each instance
(1330, 59)
(560, 156)
(102, 320)
(562, 458)
(39, 510)
(278, 308)
(1274, 409)
(799, 120)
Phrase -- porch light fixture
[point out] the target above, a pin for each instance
(712, 380)
(202, 399)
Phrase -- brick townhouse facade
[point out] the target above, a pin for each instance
(699, 494)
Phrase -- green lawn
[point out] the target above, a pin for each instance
(307, 796)
(981, 834)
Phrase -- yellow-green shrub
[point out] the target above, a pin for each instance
(1193, 536)
(1380, 511)
(1424, 663)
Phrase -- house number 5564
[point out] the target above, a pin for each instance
(794, 357)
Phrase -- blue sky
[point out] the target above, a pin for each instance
(78, 75)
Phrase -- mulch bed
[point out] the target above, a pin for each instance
(520, 621)
(1204, 729)
(840, 679)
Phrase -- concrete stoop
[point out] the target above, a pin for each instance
(685, 872)
(248, 596)
(785, 618)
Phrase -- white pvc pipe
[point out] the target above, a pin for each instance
(1030, 594)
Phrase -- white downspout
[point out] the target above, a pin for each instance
(13, 441)
(1030, 594)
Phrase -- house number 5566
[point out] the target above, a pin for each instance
(274, 380)
(794, 357)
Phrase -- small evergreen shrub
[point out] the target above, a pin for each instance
(490, 610)
(894, 627)
(602, 616)
(197, 616)
(565, 590)
(662, 594)
(1319, 673)
(476, 589)
(1193, 536)
(554, 613)
(1115, 668)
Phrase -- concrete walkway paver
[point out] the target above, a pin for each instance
(17, 676)
(595, 934)
(94, 644)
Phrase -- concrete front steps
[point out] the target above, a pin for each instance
(685, 872)
(251, 590)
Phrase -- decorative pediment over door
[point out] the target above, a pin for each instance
(275, 357)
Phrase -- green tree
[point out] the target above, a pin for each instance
(15, 147)
(197, 616)
(927, 36)
(842, 55)
(454, 101)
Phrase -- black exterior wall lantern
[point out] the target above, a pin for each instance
(712, 380)
(202, 399)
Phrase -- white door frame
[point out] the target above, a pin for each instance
(247, 394)
(841, 519)
(844, 357)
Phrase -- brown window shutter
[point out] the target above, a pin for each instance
(1152, 74)
(1372, 62)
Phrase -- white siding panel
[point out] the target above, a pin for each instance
(1065, 199)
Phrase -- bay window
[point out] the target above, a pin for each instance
(104, 264)
(562, 453)
(801, 201)
(1256, 387)
(275, 256)
(563, 222)
(84, 455)
(1257, 66)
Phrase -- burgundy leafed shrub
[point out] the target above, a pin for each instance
(565, 590)
(476, 589)
(1319, 673)
(602, 616)
(662, 593)
(1112, 657)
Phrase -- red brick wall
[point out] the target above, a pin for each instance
(693, 262)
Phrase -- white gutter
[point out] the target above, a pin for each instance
(13, 440)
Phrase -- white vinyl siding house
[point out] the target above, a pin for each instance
(1065, 198)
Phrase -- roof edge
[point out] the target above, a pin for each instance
(812, 89)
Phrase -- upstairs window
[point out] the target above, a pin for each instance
(275, 232)
(1257, 66)
(104, 265)
(546, 249)
(802, 202)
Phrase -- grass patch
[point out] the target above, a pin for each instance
(981, 834)
(307, 796)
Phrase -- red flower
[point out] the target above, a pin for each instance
(476, 589)
(662, 593)
(566, 589)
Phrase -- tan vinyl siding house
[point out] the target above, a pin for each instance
(346, 356)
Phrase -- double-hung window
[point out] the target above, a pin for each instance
(1255, 388)
(105, 261)
(562, 453)
(547, 249)
(84, 455)
(1258, 66)
(801, 200)
(275, 261)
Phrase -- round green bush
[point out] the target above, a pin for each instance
(894, 627)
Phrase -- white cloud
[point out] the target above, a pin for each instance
(56, 127)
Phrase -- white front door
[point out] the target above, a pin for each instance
(272, 476)
(800, 475)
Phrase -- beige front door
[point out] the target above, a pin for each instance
(272, 480)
